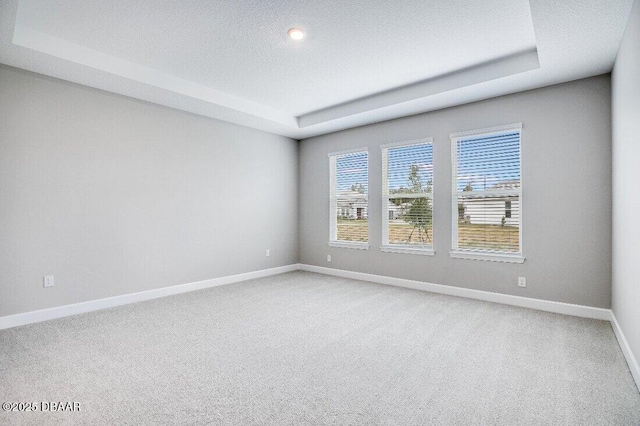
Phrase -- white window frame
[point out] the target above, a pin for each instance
(402, 248)
(333, 202)
(478, 254)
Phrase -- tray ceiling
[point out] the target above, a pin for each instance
(361, 62)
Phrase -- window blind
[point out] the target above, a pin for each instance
(349, 198)
(408, 194)
(488, 192)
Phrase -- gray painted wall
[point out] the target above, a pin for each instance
(566, 150)
(113, 195)
(626, 175)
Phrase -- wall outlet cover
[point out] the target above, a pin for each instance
(48, 281)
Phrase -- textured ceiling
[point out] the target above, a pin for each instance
(362, 61)
(241, 48)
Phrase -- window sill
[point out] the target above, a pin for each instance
(490, 256)
(349, 244)
(407, 250)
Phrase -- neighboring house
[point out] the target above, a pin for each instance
(394, 211)
(352, 205)
(397, 212)
(492, 210)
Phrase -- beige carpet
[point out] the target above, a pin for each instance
(308, 349)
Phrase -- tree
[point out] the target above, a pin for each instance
(399, 201)
(460, 211)
(419, 213)
(358, 187)
(467, 188)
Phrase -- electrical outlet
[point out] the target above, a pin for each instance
(48, 281)
(522, 282)
(328, 258)
(268, 253)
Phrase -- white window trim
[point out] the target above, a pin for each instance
(488, 255)
(493, 256)
(333, 212)
(386, 247)
(358, 245)
(406, 249)
(487, 130)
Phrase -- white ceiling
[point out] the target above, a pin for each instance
(361, 62)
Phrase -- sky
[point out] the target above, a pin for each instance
(402, 158)
(352, 169)
(487, 161)
(482, 161)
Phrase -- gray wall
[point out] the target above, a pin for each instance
(113, 196)
(566, 170)
(626, 177)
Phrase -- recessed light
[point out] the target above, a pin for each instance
(296, 34)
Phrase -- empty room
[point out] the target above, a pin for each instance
(319, 213)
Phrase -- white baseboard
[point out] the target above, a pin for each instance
(543, 305)
(626, 350)
(524, 302)
(110, 302)
(93, 305)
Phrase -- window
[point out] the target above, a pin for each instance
(407, 197)
(349, 199)
(487, 194)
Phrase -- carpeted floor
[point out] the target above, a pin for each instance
(308, 349)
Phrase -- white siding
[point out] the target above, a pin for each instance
(491, 211)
